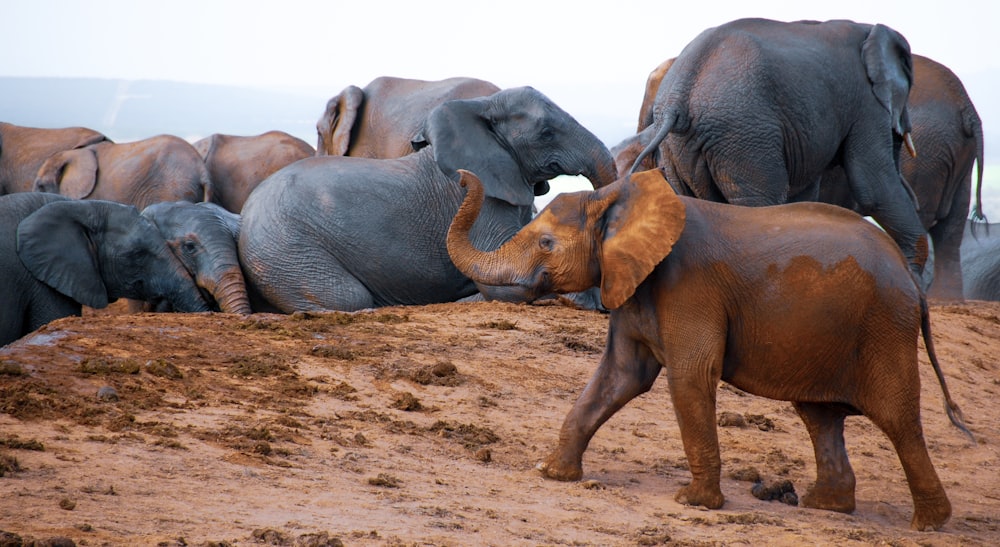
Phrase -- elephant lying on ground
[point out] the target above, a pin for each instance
(238, 164)
(345, 233)
(693, 287)
(385, 119)
(24, 149)
(140, 173)
(981, 262)
(58, 254)
(754, 111)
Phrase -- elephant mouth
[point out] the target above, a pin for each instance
(514, 293)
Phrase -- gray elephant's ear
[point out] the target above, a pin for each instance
(338, 120)
(886, 56)
(54, 244)
(462, 138)
(643, 219)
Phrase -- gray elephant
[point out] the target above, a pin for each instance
(948, 135)
(349, 233)
(203, 237)
(237, 164)
(385, 119)
(24, 149)
(693, 287)
(139, 173)
(58, 254)
(754, 111)
(981, 262)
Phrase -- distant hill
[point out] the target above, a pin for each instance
(132, 110)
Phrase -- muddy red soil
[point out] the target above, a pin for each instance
(423, 426)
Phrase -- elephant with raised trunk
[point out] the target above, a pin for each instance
(24, 149)
(754, 111)
(237, 164)
(387, 117)
(58, 254)
(139, 173)
(347, 233)
(694, 288)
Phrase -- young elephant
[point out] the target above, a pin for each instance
(805, 302)
(59, 254)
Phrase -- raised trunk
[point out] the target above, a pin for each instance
(485, 268)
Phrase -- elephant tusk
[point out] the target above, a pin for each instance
(908, 139)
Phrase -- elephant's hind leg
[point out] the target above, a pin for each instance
(835, 482)
(931, 508)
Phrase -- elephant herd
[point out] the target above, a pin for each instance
(755, 114)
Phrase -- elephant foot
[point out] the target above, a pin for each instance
(560, 469)
(829, 499)
(709, 496)
(930, 514)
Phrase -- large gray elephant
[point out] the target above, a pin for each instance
(385, 119)
(58, 254)
(695, 288)
(349, 233)
(139, 173)
(948, 136)
(237, 164)
(24, 149)
(754, 111)
(203, 237)
(981, 262)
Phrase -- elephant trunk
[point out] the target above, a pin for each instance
(495, 272)
(227, 286)
(604, 170)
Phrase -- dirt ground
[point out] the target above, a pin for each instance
(423, 426)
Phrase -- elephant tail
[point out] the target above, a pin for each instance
(950, 406)
(668, 123)
(207, 187)
(974, 127)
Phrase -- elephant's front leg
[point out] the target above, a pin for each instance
(693, 395)
(627, 370)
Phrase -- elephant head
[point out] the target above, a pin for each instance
(203, 237)
(335, 125)
(612, 237)
(72, 173)
(97, 251)
(515, 135)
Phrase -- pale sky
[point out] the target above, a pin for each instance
(514, 42)
(583, 54)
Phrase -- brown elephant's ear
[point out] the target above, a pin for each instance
(641, 226)
(341, 113)
(73, 172)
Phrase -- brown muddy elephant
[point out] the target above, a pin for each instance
(694, 287)
(140, 173)
(948, 136)
(237, 164)
(24, 149)
(387, 117)
(754, 111)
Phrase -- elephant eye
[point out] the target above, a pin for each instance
(546, 135)
(546, 243)
(189, 247)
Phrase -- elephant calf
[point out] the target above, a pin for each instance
(806, 302)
